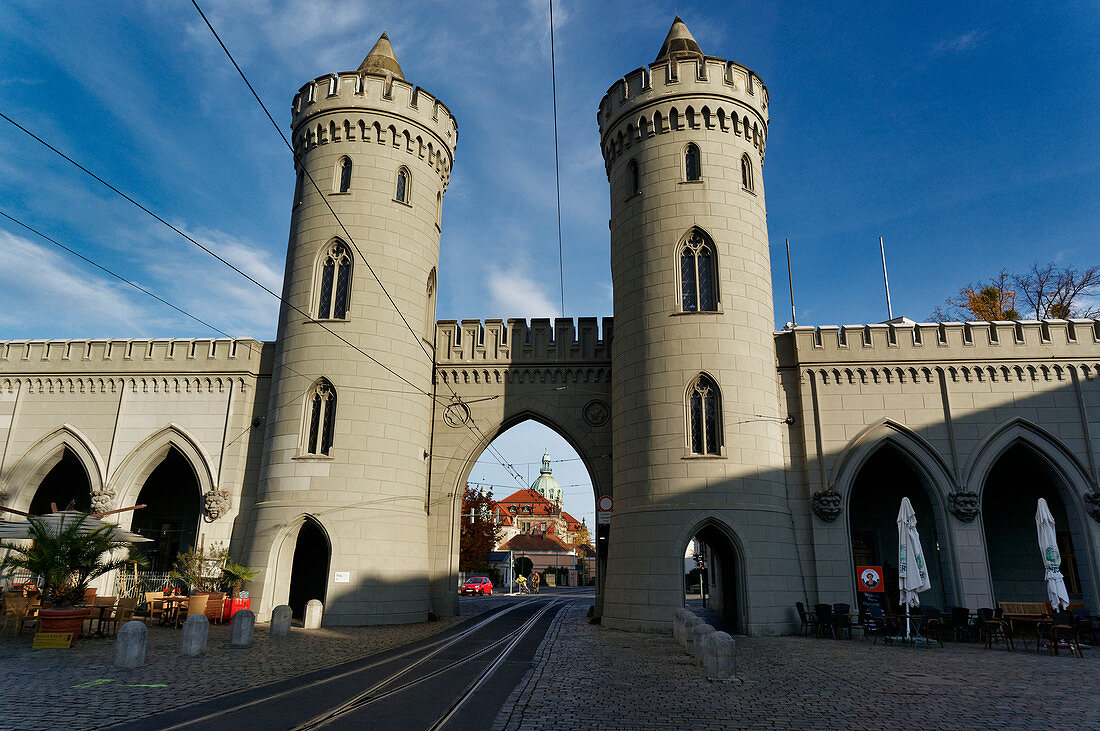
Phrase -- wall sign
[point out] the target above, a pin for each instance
(870, 578)
(342, 577)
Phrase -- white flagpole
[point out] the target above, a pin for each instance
(886, 278)
(790, 280)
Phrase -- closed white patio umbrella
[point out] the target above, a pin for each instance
(1052, 560)
(912, 571)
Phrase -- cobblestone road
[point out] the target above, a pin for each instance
(80, 688)
(587, 676)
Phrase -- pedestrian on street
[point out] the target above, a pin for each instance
(534, 583)
(522, 581)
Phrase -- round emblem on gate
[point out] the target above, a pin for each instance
(596, 413)
(456, 414)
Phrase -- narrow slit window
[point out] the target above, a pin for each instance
(298, 185)
(634, 179)
(704, 416)
(698, 274)
(691, 163)
(335, 282)
(746, 173)
(343, 171)
(402, 192)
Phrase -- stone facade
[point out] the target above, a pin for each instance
(810, 433)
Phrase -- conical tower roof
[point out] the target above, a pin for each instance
(381, 60)
(679, 42)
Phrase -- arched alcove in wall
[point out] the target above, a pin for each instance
(66, 483)
(1010, 495)
(885, 477)
(173, 506)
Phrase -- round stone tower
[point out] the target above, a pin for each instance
(697, 433)
(340, 512)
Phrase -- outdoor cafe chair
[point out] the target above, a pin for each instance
(1064, 629)
(196, 604)
(959, 624)
(824, 621)
(1087, 625)
(875, 624)
(215, 605)
(17, 609)
(806, 619)
(89, 596)
(154, 605)
(121, 612)
(993, 628)
(842, 618)
(932, 628)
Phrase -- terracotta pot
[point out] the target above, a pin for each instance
(63, 620)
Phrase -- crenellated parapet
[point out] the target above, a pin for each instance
(702, 92)
(357, 106)
(108, 356)
(517, 342)
(1006, 351)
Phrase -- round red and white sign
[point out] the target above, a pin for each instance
(605, 503)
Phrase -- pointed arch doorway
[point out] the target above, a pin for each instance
(65, 484)
(309, 567)
(720, 576)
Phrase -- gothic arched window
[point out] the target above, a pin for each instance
(634, 181)
(746, 173)
(320, 418)
(335, 278)
(704, 410)
(403, 179)
(343, 175)
(691, 163)
(698, 273)
(429, 308)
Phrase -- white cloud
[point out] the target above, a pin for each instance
(514, 294)
(41, 286)
(959, 44)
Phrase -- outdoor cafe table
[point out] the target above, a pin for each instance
(172, 606)
(96, 613)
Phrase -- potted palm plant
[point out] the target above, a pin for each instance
(67, 557)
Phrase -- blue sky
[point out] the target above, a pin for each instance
(966, 134)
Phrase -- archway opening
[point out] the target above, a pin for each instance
(65, 484)
(711, 568)
(309, 571)
(173, 504)
(1010, 497)
(885, 478)
(543, 506)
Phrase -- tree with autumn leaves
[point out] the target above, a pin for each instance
(479, 532)
(1047, 292)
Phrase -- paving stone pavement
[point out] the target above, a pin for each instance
(81, 689)
(590, 677)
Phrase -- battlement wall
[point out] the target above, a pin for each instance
(516, 342)
(1026, 340)
(711, 93)
(388, 98)
(19, 357)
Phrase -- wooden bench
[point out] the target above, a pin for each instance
(1021, 615)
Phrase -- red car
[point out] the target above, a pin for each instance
(476, 585)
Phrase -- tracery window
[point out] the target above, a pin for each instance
(691, 163)
(343, 175)
(335, 278)
(698, 274)
(704, 405)
(321, 410)
(746, 173)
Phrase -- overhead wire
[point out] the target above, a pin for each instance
(212, 253)
(557, 173)
(470, 422)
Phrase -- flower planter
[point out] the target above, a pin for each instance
(63, 620)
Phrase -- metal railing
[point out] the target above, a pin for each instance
(128, 584)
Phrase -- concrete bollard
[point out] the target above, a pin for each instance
(314, 610)
(690, 623)
(678, 623)
(130, 645)
(280, 621)
(241, 628)
(718, 656)
(196, 630)
(699, 635)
